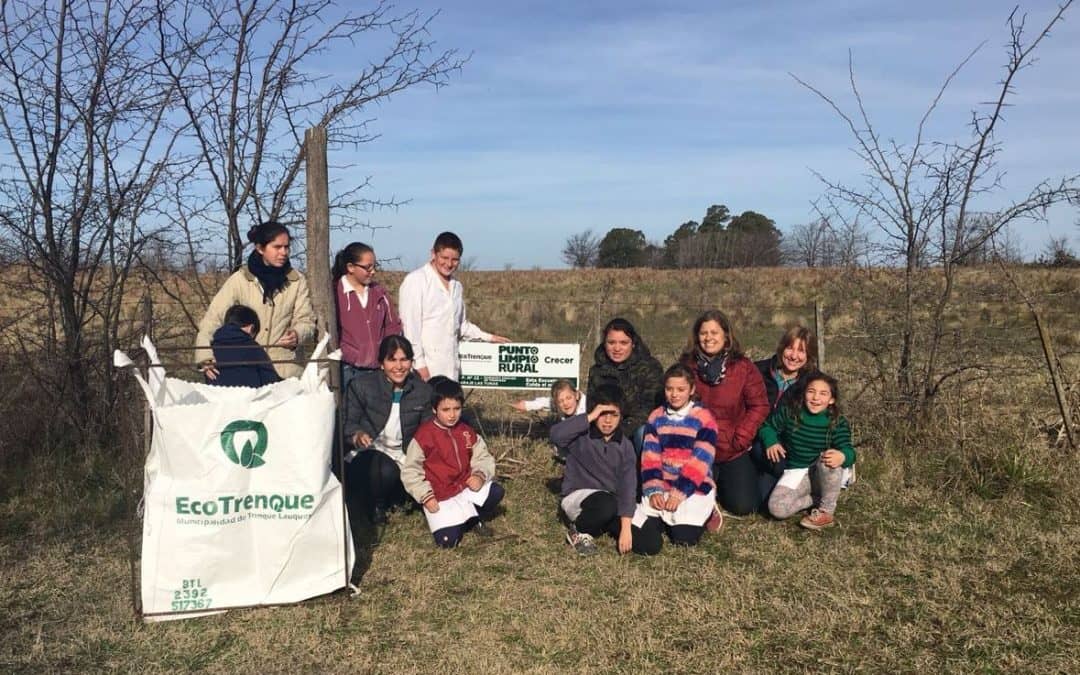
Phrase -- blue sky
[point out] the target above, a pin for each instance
(579, 115)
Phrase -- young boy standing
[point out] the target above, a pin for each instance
(239, 361)
(599, 487)
(432, 308)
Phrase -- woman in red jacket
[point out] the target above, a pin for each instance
(730, 386)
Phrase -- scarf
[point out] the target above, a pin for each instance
(273, 279)
(712, 371)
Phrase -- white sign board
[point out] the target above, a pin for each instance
(517, 365)
(240, 506)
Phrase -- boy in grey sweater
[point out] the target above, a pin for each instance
(599, 487)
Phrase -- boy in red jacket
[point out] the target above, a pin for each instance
(449, 470)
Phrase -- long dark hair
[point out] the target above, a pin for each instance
(623, 326)
(349, 254)
(731, 344)
(796, 403)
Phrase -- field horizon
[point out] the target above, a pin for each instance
(956, 550)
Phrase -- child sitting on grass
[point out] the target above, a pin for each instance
(449, 470)
(565, 401)
(816, 440)
(677, 487)
(599, 487)
(239, 361)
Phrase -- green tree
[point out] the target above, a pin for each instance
(673, 253)
(622, 247)
(716, 216)
(753, 241)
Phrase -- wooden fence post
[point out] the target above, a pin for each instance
(318, 230)
(819, 333)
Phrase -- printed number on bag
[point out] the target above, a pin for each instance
(191, 595)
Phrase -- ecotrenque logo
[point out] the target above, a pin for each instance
(250, 456)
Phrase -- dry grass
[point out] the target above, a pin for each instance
(957, 550)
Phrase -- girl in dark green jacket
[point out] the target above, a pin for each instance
(816, 441)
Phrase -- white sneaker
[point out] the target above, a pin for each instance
(583, 543)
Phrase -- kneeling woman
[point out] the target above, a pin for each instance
(731, 388)
(383, 409)
(678, 492)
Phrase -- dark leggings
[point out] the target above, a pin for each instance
(599, 514)
(649, 538)
(374, 482)
(737, 485)
(769, 472)
(449, 537)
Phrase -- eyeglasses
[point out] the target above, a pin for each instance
(373, 267)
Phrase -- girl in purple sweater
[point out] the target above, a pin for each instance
(365, 313)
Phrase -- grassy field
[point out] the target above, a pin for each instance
(957, 550)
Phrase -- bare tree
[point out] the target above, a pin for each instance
(581, 249)
(150, 133)
(86, 148)
(919, 196)
(251, 77)
(806, 243)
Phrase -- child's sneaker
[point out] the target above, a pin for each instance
(715, 521)
(483, 530)
(817, 520)
(848, 477)
(582, 543)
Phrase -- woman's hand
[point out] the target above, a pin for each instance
(832, 458)
(424, 374)
(475, 482)
(518, 406)
(432, 505)
(775, 452)
(209, 369)
(499, 339)
(657, 500)
(289, 340)
(361, 440)
(674, 499)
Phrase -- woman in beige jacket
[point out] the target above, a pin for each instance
(277, 293)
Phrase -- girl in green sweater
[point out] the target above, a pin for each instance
(816, 440)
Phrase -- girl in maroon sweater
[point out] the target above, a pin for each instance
(365, 314)
(730, 386)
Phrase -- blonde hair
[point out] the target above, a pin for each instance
(558, 386)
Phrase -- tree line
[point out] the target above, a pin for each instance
(749, 239)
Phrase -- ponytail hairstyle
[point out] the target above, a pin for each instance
(266, 232)
(349, 254)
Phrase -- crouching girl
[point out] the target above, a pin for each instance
(599, 487)
(816, 440)
(449, 470)
(678, 492)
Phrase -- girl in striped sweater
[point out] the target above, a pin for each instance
(678, 491)
(816, 440)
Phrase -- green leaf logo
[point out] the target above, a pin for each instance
(249, 456)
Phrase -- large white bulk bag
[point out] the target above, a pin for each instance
(240, 506)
